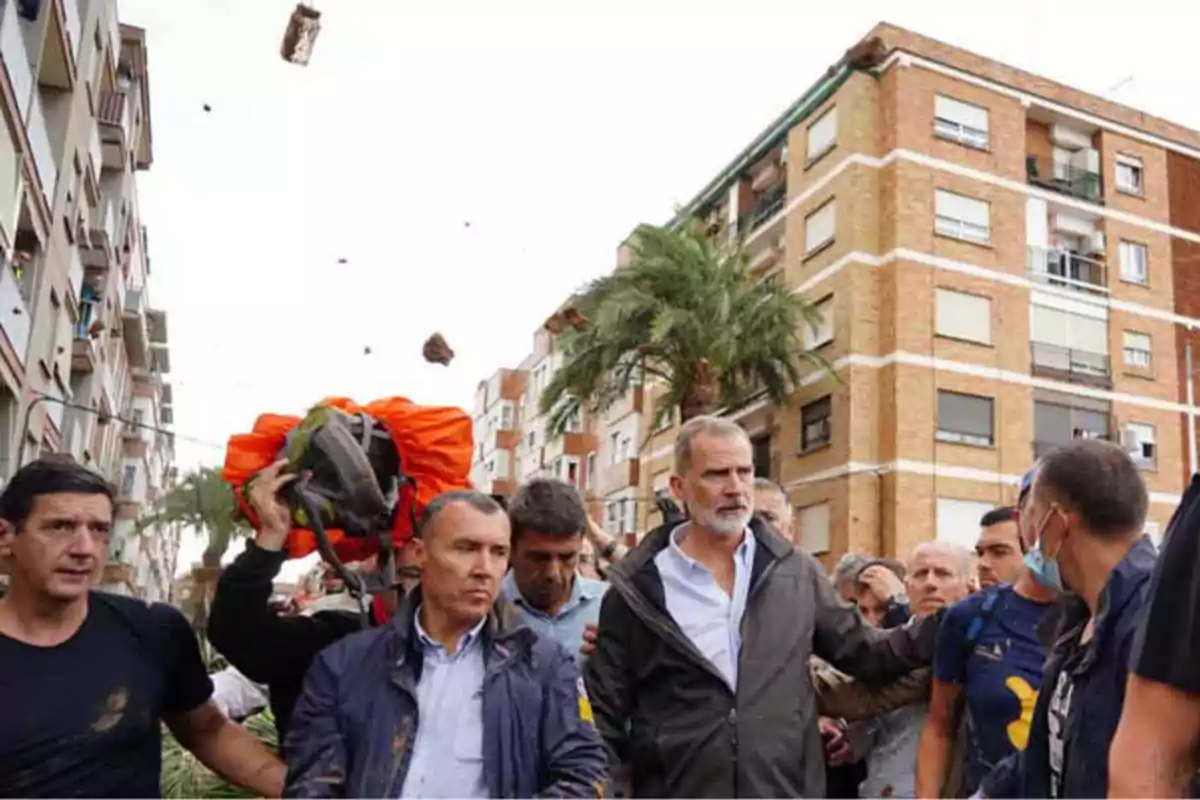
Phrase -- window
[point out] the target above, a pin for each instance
(815, 428)
(962, 217)
(575, 422)
(624, 451)
(958, 520)
(573, 473)
(812, 523)
(1137, 350)
(590, 478)
(128, 476)
(1130, 175)
(1064, 333)
(964, 419)
(614, 443)
(531, 440)
(1135, 262)
(1056, 424)
(820, 332)
(819, 228)
(960, 122)
(964, 316)
(822, 135)
(506, 417)
(1138, 440)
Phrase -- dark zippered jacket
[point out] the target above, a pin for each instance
(667, 712)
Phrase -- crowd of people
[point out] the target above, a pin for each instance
(524, 652)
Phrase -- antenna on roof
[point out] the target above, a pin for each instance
(1119, 85)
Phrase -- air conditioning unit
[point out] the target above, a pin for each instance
(1096, 244)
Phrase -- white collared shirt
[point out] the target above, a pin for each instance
(708, 616)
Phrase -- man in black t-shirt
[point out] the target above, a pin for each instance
(1159, 734)
(87, 677)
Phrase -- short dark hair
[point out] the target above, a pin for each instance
(548, 506)
(469, 497)
(49, 476)
(997, 516)
(1098, 481)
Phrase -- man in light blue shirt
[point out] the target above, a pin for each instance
(544, 585)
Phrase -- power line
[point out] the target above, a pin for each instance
(49, 398)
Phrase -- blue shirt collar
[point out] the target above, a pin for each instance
(428, 643)
(583, 590)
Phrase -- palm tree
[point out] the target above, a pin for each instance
(689, 312)
(205, 502)
(184, 776)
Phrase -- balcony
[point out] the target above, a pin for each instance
(133, 320)
(618, 476)
(14, 315)
(160, 358)
(43, 153)
(75, 271)
(57, 66)
(765, 207)
(113, 116)
(1067, 364)
(15, 56)
(156, 322)
(1068, 270)
(95, 160)
(102, 234)
(1063, 177)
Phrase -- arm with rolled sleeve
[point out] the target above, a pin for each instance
(573, 757)
(316, 752)
(844, 639)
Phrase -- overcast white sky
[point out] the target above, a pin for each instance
(552, 127)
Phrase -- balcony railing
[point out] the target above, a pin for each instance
(767, 206)
(1062, 177)
(1070, 270)
(14, 315)
(1076, 366)
(95, 151)
(43, 153)
(74, 28)
(15, 56)
(75, 271)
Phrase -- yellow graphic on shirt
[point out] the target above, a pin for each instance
(585, 705)
(1018, 729)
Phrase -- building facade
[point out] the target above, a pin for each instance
(1002, 264)
(83, 353)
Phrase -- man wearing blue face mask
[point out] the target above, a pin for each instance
(1088, 507)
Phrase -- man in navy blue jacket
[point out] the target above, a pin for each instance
(448, 699)
(1088, 507)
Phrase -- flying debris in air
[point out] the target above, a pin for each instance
(466, 224)
(436, 351)
(207, 108)
(366, 351)
(343, 261)
(300, 35)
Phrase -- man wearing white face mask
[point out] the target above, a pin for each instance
(700, 680)
(1088, 507)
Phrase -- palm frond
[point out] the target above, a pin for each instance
(682, 310)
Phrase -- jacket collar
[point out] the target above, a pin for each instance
(659, 539)
(503, 637)
(1123, 586)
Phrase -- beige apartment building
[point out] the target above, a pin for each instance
(83, 353)
(1002, 264)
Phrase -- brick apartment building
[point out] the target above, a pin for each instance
(1003, 264)
(83, 351)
